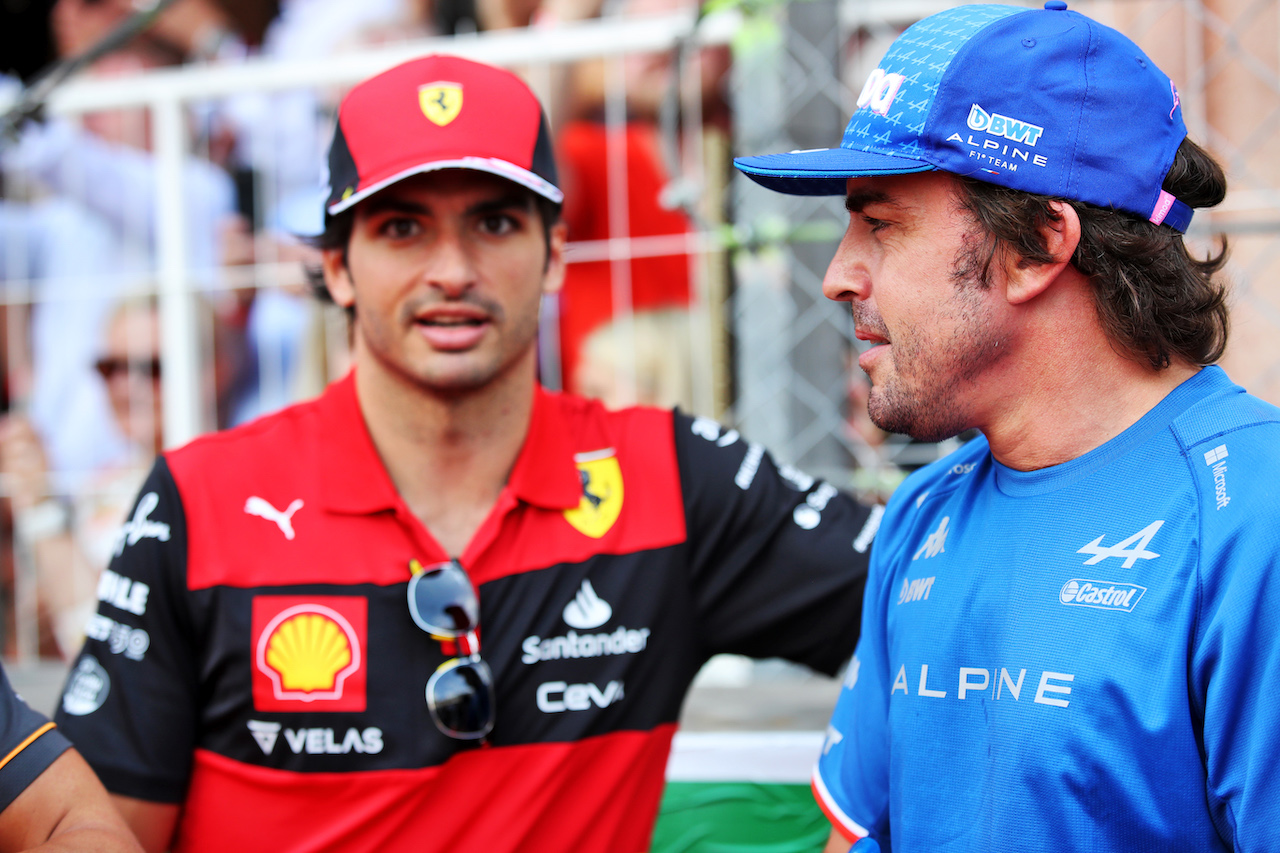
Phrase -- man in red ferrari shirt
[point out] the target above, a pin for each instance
(441, 608)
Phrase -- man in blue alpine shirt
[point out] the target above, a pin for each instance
(1069, 626)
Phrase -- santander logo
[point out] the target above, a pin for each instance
(587, 610)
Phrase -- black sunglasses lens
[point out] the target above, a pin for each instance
(460, 696)
(442, 601)
(108, 367)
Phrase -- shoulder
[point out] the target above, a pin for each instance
(1231, 442)
(1228, 413)
(639, 437)
(921, 499)
(942, 477)
(587, 420)
(260, 439)
(288, 449)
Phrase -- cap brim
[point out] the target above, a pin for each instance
(492, 165)
(823, 171)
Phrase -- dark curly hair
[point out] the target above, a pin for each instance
(1155, 300)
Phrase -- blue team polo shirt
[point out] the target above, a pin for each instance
(1083, 657)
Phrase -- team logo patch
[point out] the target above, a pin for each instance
(1023, 132)
(441, 102)
(601, 500)
(587, 610)
(1103, 595)
(87, 688)
(309, 652)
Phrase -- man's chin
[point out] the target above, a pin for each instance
(912, 418)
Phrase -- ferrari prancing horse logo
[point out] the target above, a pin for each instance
(441, 102)
(601, 500)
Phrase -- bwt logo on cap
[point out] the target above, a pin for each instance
(309, 653)
(1101, 594)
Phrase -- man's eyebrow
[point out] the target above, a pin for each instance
(520, 201)
(855, 201)
(393, 204)
(397, 204)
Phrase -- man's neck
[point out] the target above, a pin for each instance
(1077, 396)
(448, 455)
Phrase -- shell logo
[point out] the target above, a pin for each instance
(308, 651)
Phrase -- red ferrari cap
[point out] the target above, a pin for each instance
(439, 112)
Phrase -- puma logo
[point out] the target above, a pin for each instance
(284, 520)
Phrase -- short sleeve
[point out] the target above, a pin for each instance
(1236, 666)
(130, 703)
(29, 743)
(779, 559)
(851, 780)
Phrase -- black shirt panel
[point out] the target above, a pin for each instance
(773, 565)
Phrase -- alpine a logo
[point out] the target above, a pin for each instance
(1103, 595)
(1129, 550)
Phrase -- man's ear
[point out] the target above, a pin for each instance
(337, 277)
(553, 279)
(1025, 280)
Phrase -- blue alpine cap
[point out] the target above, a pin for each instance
(1045, 101)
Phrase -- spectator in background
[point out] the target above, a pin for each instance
(649, 351)
(72, 541)
(273, 143)
(660, 282)
(84, 226)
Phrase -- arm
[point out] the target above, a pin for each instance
(65, 809)
(778, 558)
(131, 702)
(153, 823)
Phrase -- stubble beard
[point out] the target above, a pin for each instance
(924, 396)
(452, 375)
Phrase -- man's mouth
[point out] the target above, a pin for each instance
(453, 329)
(874, 338)
(448, 322)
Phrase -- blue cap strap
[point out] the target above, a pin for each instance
(1169, 211)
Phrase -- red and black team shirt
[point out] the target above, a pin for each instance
(253, 656)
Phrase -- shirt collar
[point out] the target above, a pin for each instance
(545, 474)
(355, 480)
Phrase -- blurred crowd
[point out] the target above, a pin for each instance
(81, 359)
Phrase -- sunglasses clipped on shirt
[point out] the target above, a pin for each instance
(109, 367)
(460, 692)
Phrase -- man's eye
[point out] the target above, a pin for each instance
(399, 227)
(498, 223)
(873, 223)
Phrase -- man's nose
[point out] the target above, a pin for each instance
(451, 267)
(846, 279)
